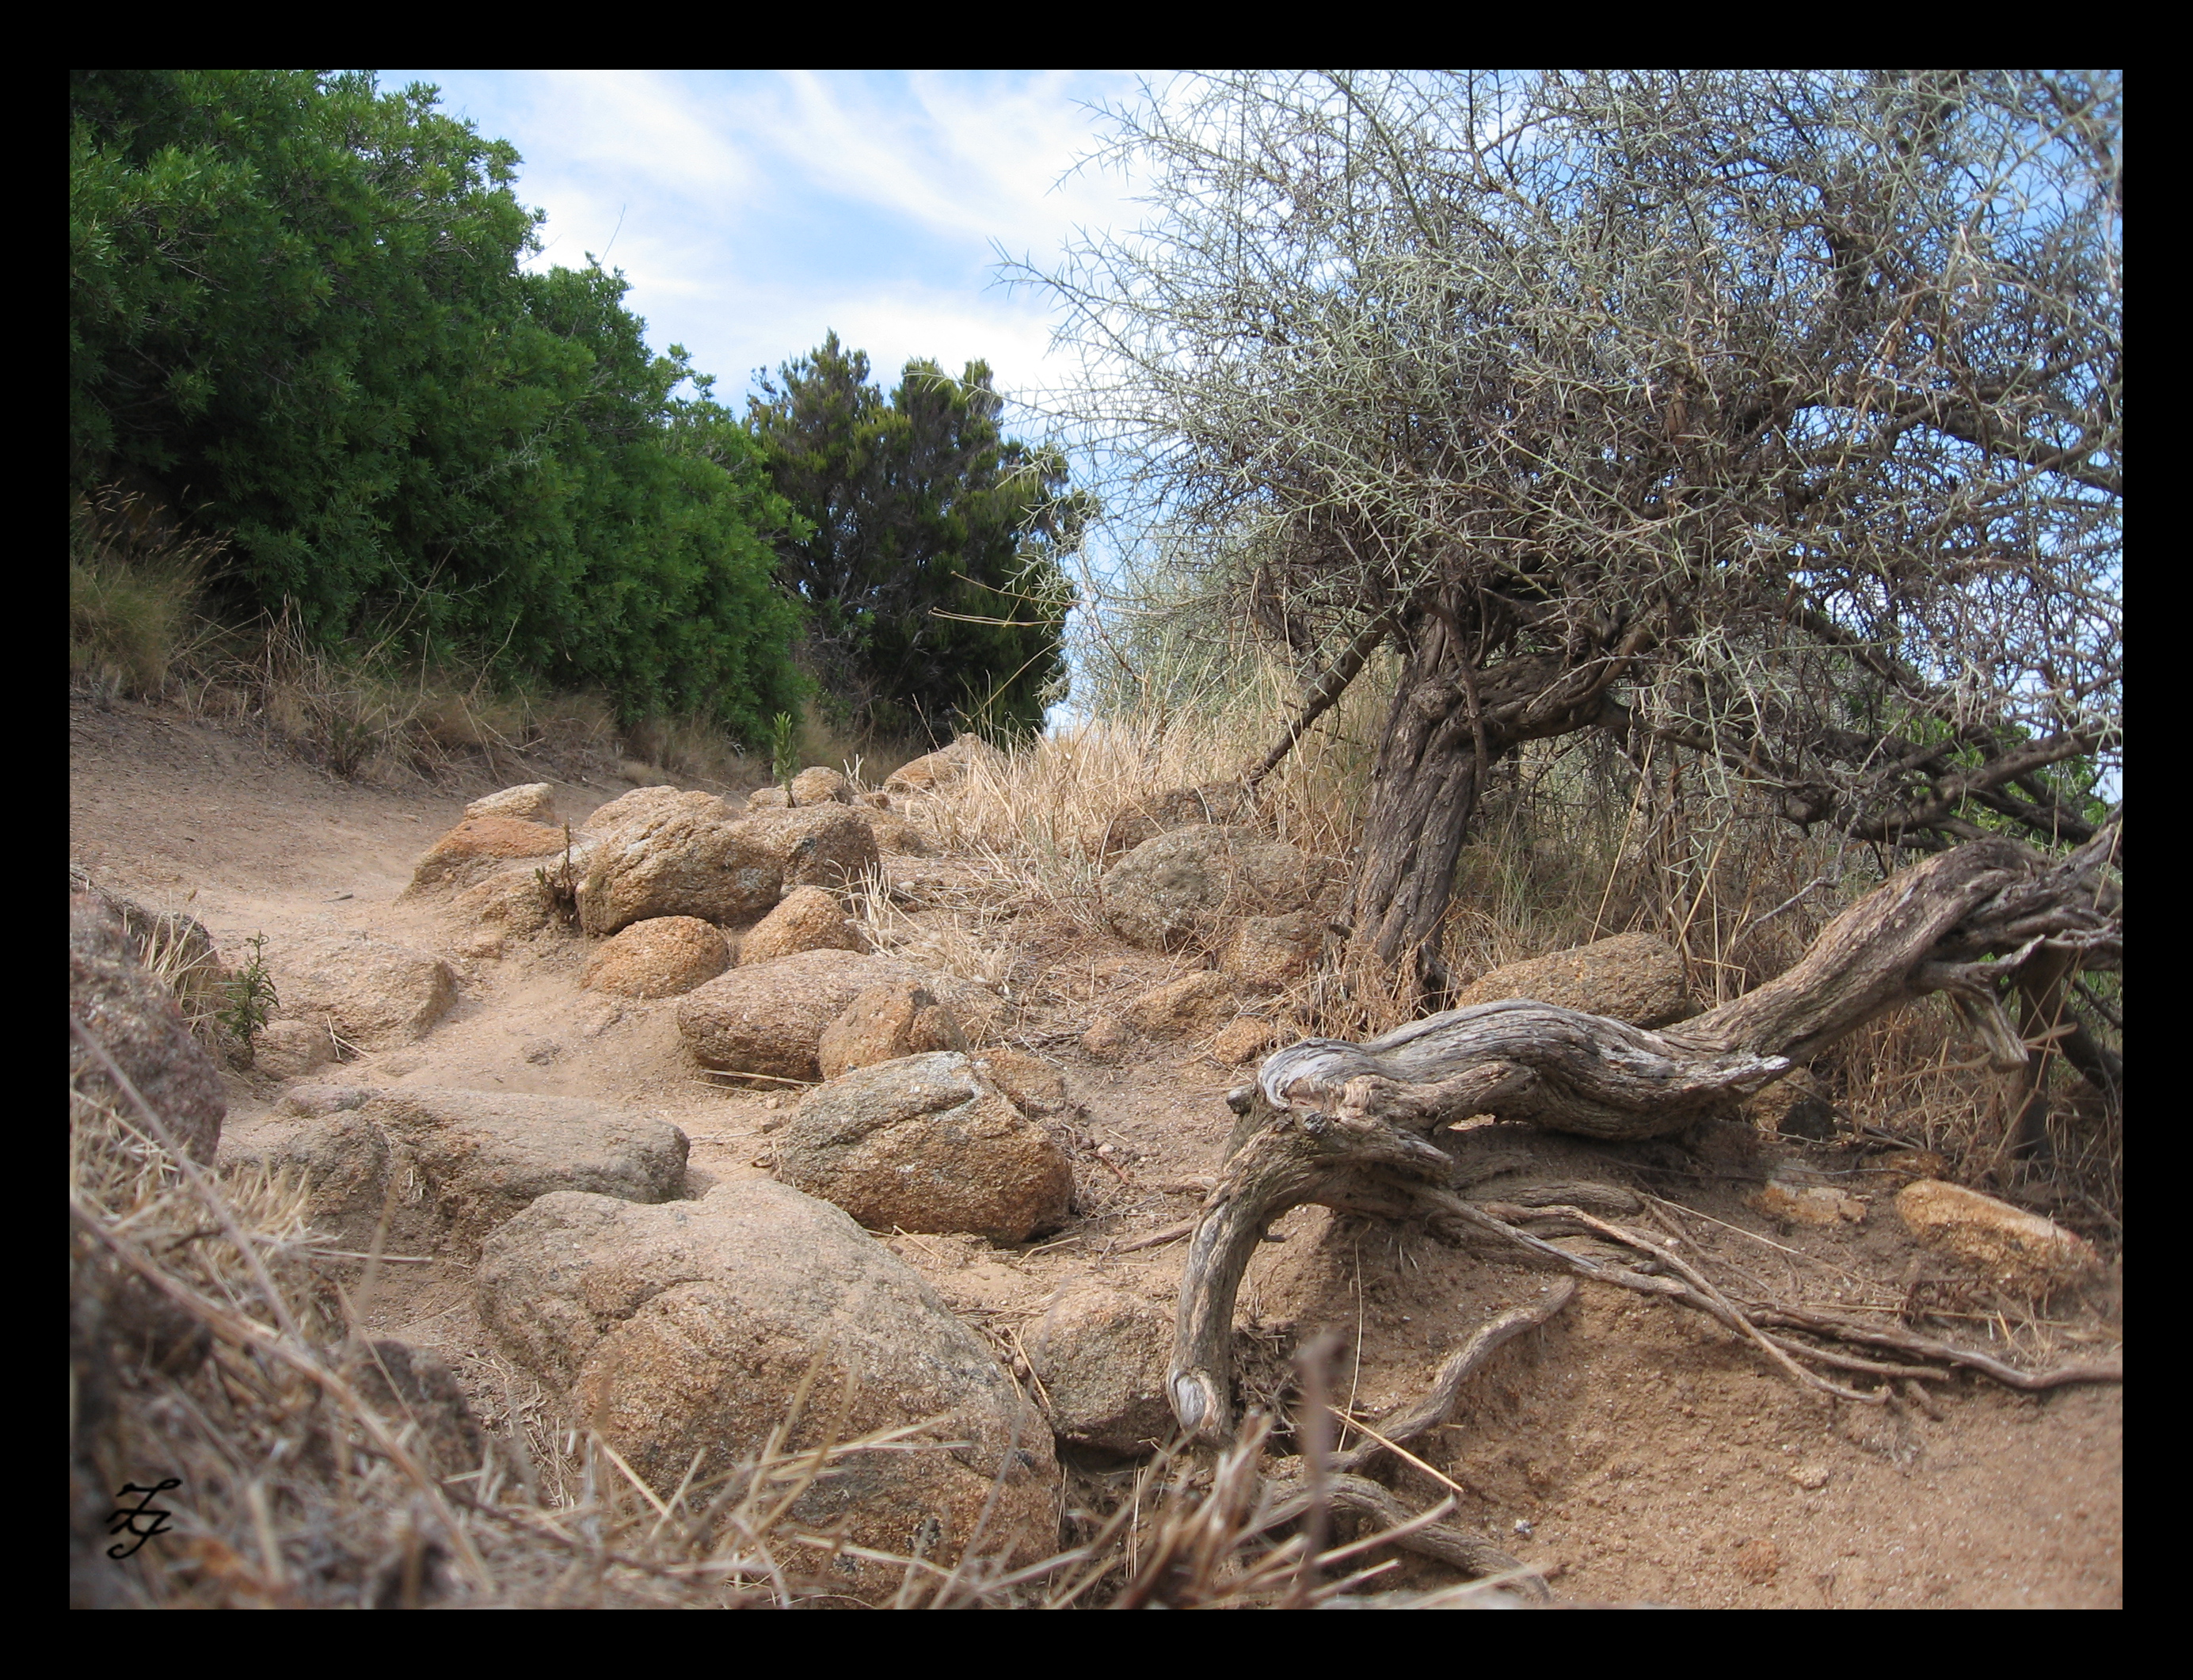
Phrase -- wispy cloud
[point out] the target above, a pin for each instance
(754, 211)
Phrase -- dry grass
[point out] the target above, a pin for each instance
(215, 1359)
(1572, 842)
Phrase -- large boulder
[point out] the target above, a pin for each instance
(534, 802)
(1637, 977)
(769, 1018)
(687, 1333)
(819, 784)
(479, 844)
(654, 801)
(1269, 954)
(375, 995)
(806, 918)
(515, 902)
(437, 1170)
(895, 836)
(1185, 887)
(285, 1050)
(825, 845)
(897, 1019)
(935, 770)
(134, 1017)
(2022, 1252)
(925, 1143)
(660, 957)
(1101, 1354)
(1195, 1006)
(1035, 1086)
(677, 858)
(1223, 802)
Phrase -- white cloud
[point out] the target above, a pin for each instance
(753, 211)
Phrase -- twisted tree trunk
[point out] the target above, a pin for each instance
(1350, 1126)
(1451, 721)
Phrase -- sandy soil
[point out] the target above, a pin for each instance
(1633, 1451)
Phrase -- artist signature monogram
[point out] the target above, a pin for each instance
(124, 1519)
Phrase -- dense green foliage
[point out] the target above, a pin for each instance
(930, 575)
(299, 301)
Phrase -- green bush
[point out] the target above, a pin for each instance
(301, 299)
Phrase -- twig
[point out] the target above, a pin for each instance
(1447, 1387)
(1169, 1234)
(2010, 1376)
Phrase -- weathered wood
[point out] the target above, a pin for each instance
(1349, 1125)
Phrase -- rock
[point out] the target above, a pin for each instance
(514, 902)
(2018, 1250)
(1101, 1354)
(678, 860)
(358, 1191)
(375, 996)
(174, 947)
(534, 802)
(412, 1388)
(1185, 887)
(819, 784)
(768, 799)
(873, 801)
(312, 1102)
(935, 770)
(807, 918)
(1195, 1006)
(137, 1022)
(646, 802)
(696, 1328)
(1180, 808)
(478, 843)
(1108, 1038)
(769, 1018)
(1808, 1204)
(1269, 954)
(1034, 1086)
(925, 1143)
(894, 835)
(1245, 1041)
(287, 1049)
(660, 957)
(825, 845)
(900, 1017)
(445, 1167)
(1633, 976)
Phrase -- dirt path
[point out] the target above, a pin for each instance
(1634, 1453)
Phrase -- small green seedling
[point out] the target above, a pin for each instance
(252, 999)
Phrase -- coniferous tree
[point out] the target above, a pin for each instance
(930, 575)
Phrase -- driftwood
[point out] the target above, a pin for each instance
(1352, 1126)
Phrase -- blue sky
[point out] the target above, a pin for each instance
(754, 210)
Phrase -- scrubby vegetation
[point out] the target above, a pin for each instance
(1548, 574)
(304, 347)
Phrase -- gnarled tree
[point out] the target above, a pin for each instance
(1774, 417)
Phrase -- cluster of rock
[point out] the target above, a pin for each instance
(687, 1330)
(1199, 874)
(675, 1325)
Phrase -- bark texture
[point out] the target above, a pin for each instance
(1351, 1126)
